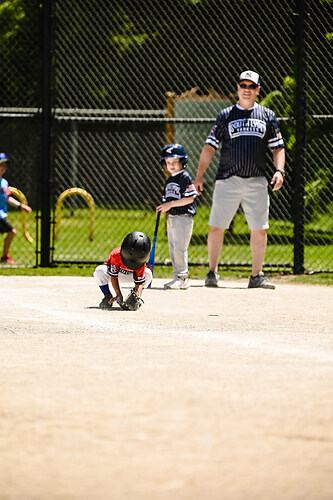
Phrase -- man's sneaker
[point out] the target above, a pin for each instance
(105, 302)
(212, 279)
(260, 281)
(6, 259)
(177, 284)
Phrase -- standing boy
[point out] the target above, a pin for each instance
(126, 264)
(5, 226)
(179, 203)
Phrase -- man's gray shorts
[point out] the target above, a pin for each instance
(250, 192)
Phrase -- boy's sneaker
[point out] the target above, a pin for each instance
(212, 279)
(260, 281)
(177, 284)
(170, 283)
(105, 302)
(6, 259)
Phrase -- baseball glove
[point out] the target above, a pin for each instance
(132, 303)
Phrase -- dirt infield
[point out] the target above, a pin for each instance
(204, 394)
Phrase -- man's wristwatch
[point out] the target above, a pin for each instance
(281, 171)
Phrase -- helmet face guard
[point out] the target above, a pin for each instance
(174, 151)
(135, 250)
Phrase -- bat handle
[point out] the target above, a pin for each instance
(151, 261)
(157, 222)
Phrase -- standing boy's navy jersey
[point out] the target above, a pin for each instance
(177, 186)
(245, 135)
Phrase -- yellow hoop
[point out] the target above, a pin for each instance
(18, 194)
(91, 204)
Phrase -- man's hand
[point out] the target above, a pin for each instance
(198, 184)
(277, 181)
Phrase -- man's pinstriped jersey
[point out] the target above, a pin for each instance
(244, 135)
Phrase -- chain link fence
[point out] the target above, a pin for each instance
(128, 77)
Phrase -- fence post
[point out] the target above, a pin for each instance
(46, 134)
(299, 167)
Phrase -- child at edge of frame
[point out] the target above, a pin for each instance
(6, 198)
(125, 264)
(180, 206)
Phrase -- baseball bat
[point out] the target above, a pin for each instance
(151, 260)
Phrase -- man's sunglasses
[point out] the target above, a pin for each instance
(252, 86)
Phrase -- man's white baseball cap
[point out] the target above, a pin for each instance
(249, 75)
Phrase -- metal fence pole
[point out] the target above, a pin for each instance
(301, 33)
(46, 134)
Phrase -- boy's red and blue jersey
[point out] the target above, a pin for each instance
(116, 266)
(4, 195)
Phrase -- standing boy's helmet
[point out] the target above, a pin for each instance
(135, 250)
(3, 157)
(174, 151)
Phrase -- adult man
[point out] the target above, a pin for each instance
(245, 130)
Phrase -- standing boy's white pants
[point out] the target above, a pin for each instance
(179, 228)
(103, 278)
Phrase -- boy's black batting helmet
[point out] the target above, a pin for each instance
(174, 151)
(135, 250)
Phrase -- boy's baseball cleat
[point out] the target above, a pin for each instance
(178, 284)
(212, 279)
(260, 281)
(6, 259)
(105, 302)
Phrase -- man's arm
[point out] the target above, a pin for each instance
(279, 157)
(206, 156)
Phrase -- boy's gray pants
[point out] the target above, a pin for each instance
(179, 228)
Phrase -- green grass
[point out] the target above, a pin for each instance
(111, 225)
